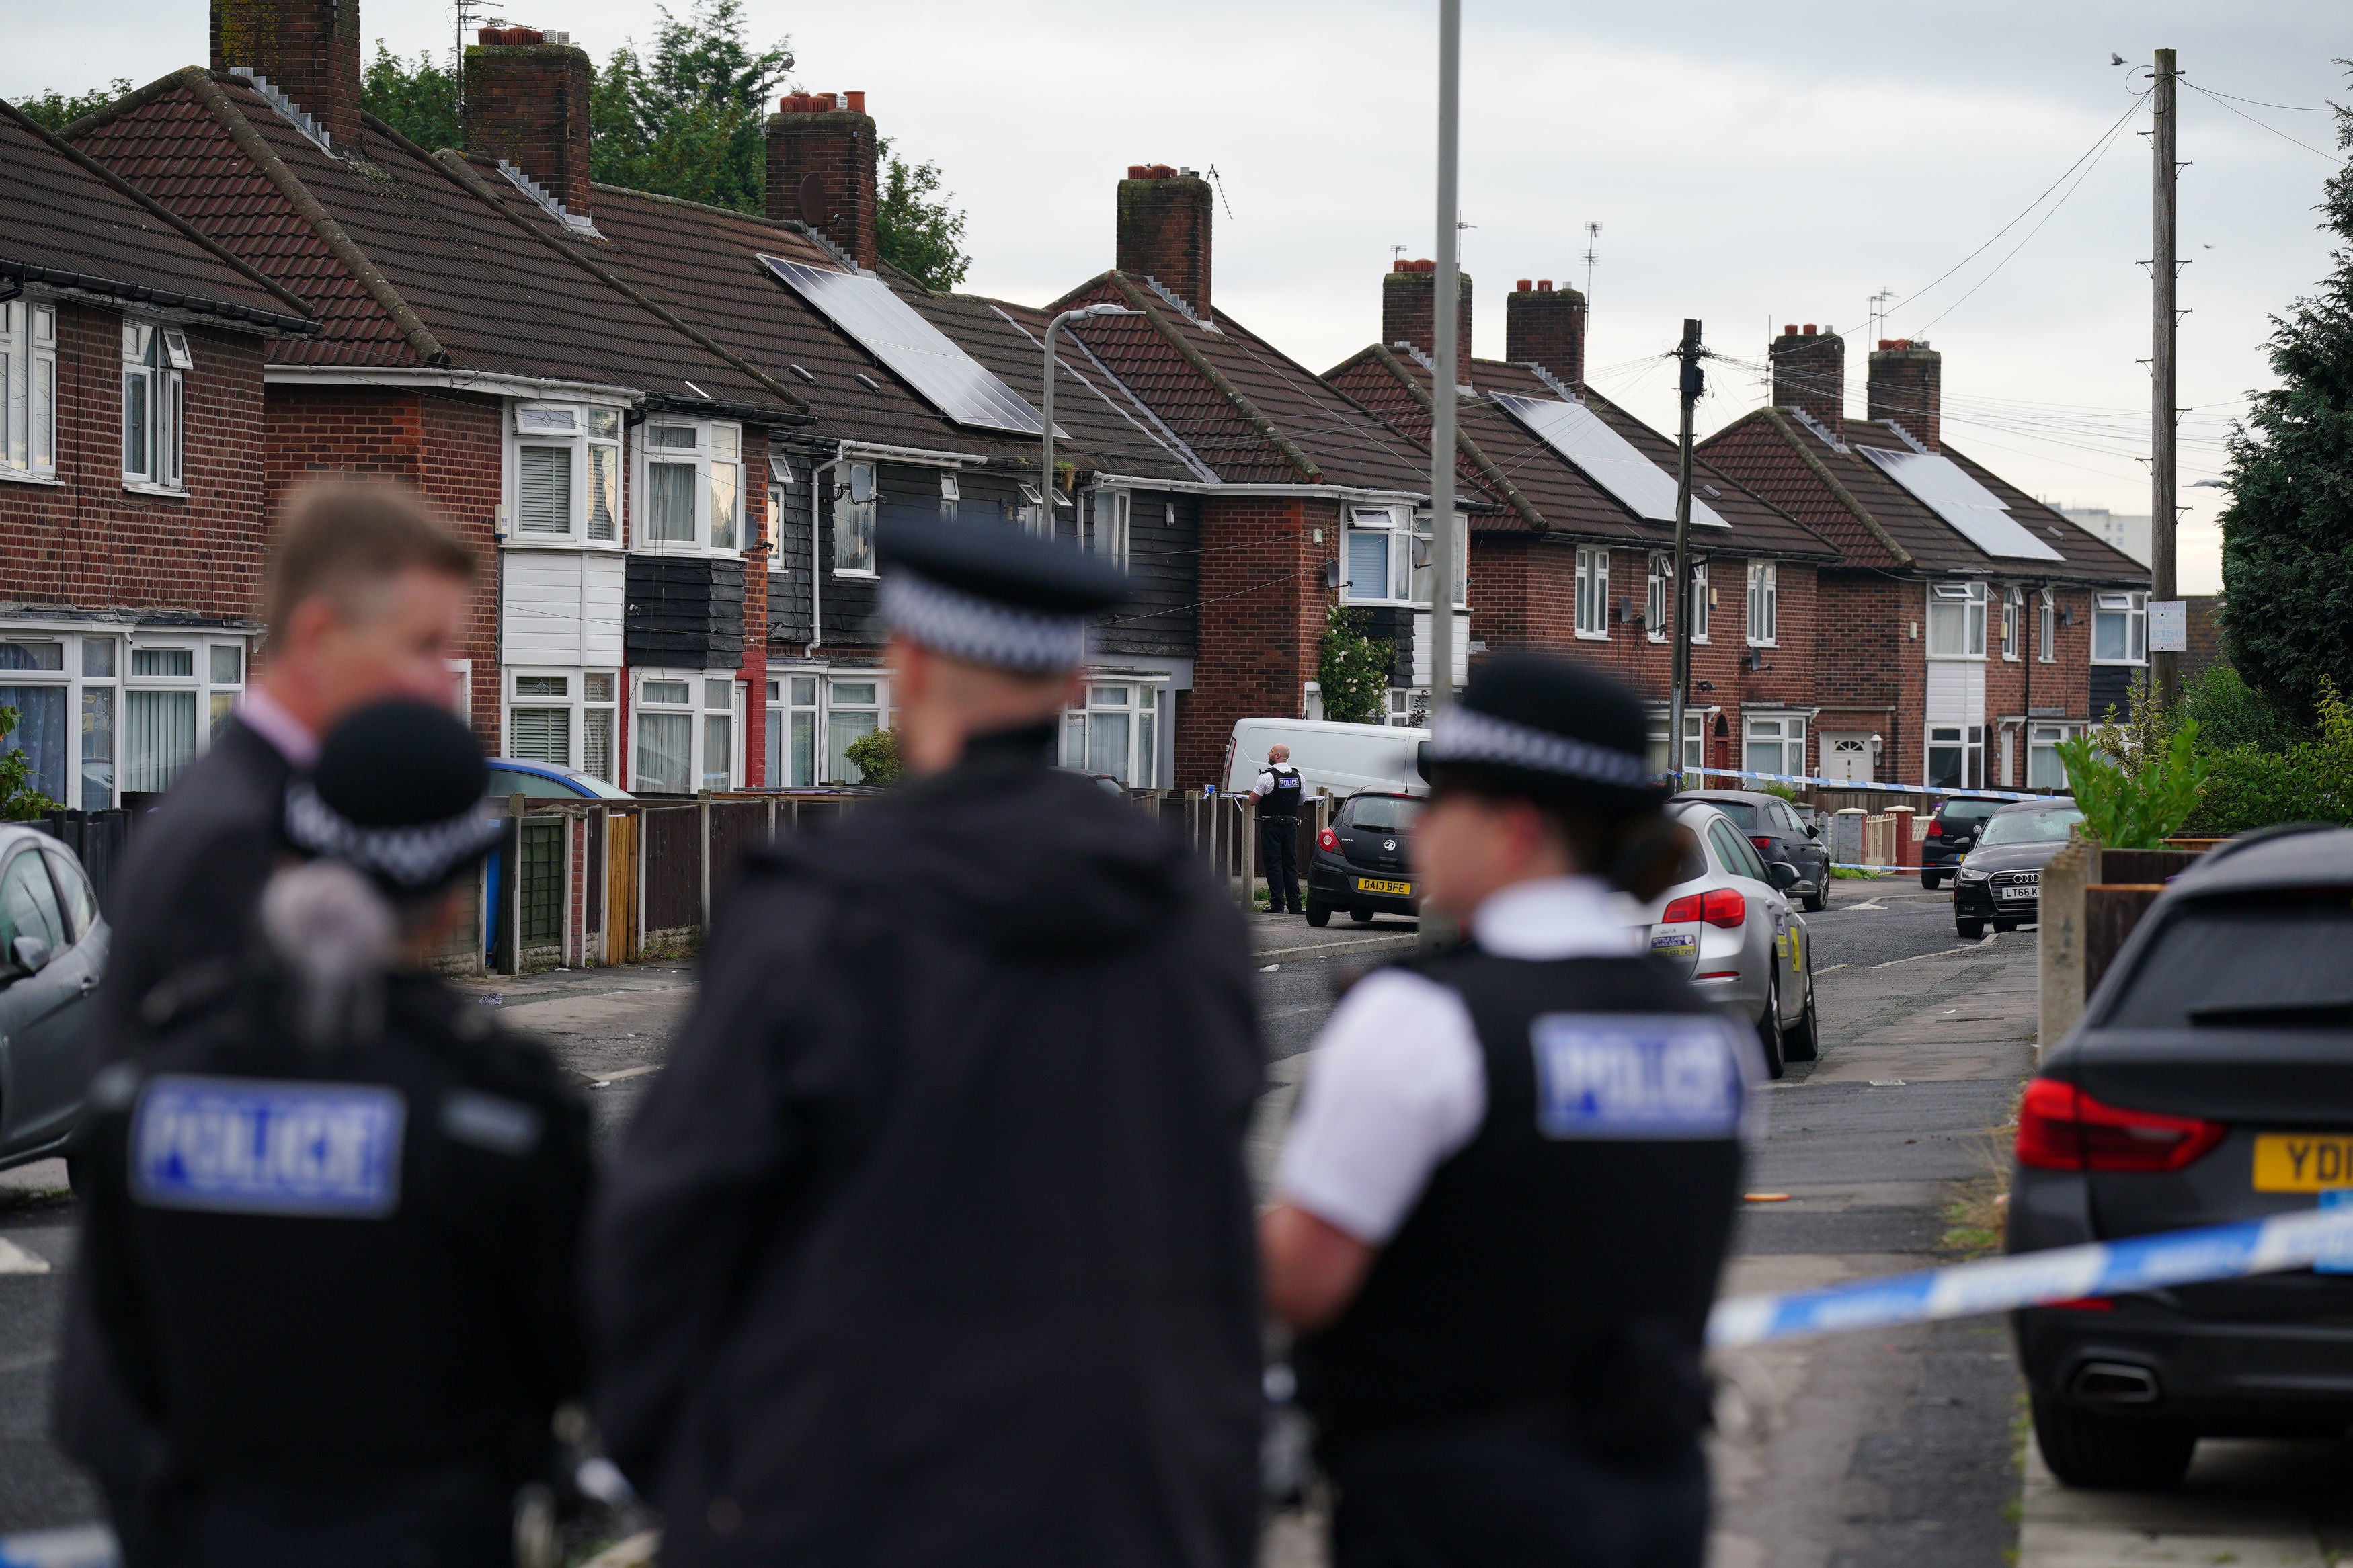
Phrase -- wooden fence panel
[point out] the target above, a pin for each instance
(737, 827)
(672, 846)
(542, 889)
(621, 891)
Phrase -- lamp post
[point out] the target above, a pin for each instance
(1046, 469)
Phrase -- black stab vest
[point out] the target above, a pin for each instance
(1538, 1273)
(1283, 800)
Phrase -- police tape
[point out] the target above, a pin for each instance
(1869, 788)
(2286, 1241)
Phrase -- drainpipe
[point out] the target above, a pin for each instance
(820, 482)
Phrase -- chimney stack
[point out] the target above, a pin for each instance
(1908, 386)
(1545, 325)
(821, 169)
(1810, 374)
(527, 102)
(1409, 309)
(309, 50)
(1164, 230)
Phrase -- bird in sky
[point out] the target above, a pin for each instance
(2114, 58)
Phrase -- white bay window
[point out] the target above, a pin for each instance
(693, 486)
(1115, 731)
(1957, 620)
(686, 731)
(567, 474)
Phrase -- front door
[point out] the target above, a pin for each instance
(1846, 756)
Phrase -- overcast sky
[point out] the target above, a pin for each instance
(1749, 166)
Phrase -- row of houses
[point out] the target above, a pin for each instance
(675, 428)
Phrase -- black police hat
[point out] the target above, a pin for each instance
(990, 594)
(397, 793)
(1545, 727)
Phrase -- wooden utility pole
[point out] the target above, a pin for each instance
(2163, 321)
(1688, 351)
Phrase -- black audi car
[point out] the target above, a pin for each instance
(2210, 1082)
(2001, 880)
(1360, 863)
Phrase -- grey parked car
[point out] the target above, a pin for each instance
(52, 951)
(2209, 1081)
(1774, 826)
(1728, 921)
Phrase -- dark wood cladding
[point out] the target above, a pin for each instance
(685, 612)
(1394, 625)
(1164, 561)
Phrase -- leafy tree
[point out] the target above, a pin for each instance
(19, 801)
(57, 110)
(685, 119)
(1352, 671)
(421, 100)
(2287, 535)
(876, 756)
(914, 228)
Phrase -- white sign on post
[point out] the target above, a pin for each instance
(2168, 625)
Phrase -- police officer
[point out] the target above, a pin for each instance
(933, 1242)
(1506, 1196)
(334, 1209)
(1278, 789)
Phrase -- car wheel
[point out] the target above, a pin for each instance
(1930, 880)
(2106, 1453)
(1820, 899)
(1318, 914)
(1769, 1032)
(1968, 931)
(1362, 917)
(1802, 1041)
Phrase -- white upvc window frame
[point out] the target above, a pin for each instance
(155, 362)
(1105, 529)
(2013, 621)
(1703, 601)
(1115, 727)
(853, 520)
(2042, 739)
(2132, 611)
(97, 669)
(1764, 604)
(1408, 707)
(1593, 593)
(1961, 605)
(802, 702)
(716, 459)
(2046, 627)
(1658, 594)
(1969, 740)
(586, 692)
(1395, 548)
(1783, 732)
(590, 436)
(701, 696)
(28, 390)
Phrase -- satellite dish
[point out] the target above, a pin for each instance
(812, 197)
(861, 483)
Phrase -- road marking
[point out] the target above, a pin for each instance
(15, 1260)
(1875, 909)
(1940, 952)
(613, 1078)
(1834, 966)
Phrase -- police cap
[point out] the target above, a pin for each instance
(992, 595)
(1538, 725)
(397, 793)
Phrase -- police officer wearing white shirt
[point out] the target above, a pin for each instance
(1277, 792)
(1507, 1194)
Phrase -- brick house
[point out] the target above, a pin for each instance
(1967, 628)
(608, 458)
(1575, 555)
(131, 478)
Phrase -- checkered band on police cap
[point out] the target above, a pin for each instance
(1465, 734)
(982, 631)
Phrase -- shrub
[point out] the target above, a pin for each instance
(1352, 671)
(2310, 781)
(2231, 714)
(19, 801)
(2135, 792)
(876, 756)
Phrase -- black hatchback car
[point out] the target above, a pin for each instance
(2209, 1081)
(1773, 826)
(1360, 863)
(2001, 880)
(1952, 834)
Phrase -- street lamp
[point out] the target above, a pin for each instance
(1046, 471)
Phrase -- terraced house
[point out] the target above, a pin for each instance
(132, 480)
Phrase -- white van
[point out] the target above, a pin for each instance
(1339, 759)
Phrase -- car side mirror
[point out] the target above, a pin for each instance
(1813, 830)
(31, 953)
(1784, 875)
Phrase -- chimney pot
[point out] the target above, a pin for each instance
(1524, 285)
(1543, 285)
(1163, 172)
(857, 101)
(531, 109)
(805, 143)
(1791, 330)
(1164, 232)
(1139, 171)
(1812, 329)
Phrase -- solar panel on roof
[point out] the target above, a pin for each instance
(1945, 488)
(1605, 457)
(945, 376)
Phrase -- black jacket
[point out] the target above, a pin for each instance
(932, 1244)
(330, 1344)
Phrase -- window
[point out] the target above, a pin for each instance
(1764, 604)
(1386, 561)
(1957, 620)
(2119, 629)
(1776, 745)
(853, 710)
(567, 473)
(853, 518)
(1703, 601)
(28, 905)
(1654, 600)
(1408, 707)
(792, 732)
(2043, 769)
(153, 361)
(562, 717)
(2046, 627)
(95, 719)
(2013, 615)
(543, 491)
(28, 390)
(1115, 731)
(1956, 756)
(951, 494)
(693, 485)
(665, 734)
(1592, 593)
(1106, 526)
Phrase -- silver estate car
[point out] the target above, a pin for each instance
(1729, 919)
(52, 951)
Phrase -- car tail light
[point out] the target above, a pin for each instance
(1327, 839)
(1764, 847)
(1684, 910)
(1936, 827)
(2085, 1304)
(1724, 907)
(2061, 1128)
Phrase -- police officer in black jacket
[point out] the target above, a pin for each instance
(1508, 1191)
(334, 1209)
(1279, 789)
(932, 1244)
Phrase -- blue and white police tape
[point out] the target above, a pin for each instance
(2323, 1237)
(1869, 788)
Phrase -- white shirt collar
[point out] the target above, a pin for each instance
(267, 718)
(1555, 917)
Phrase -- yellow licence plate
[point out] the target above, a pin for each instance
(1367, 885)
(2303, 1162)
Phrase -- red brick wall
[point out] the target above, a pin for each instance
(1263, 610)
(310, 50)
(1164, 233)
(1409, 309)
(1547, 325)
(88, 542)
(838, 147)
(529, 104)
